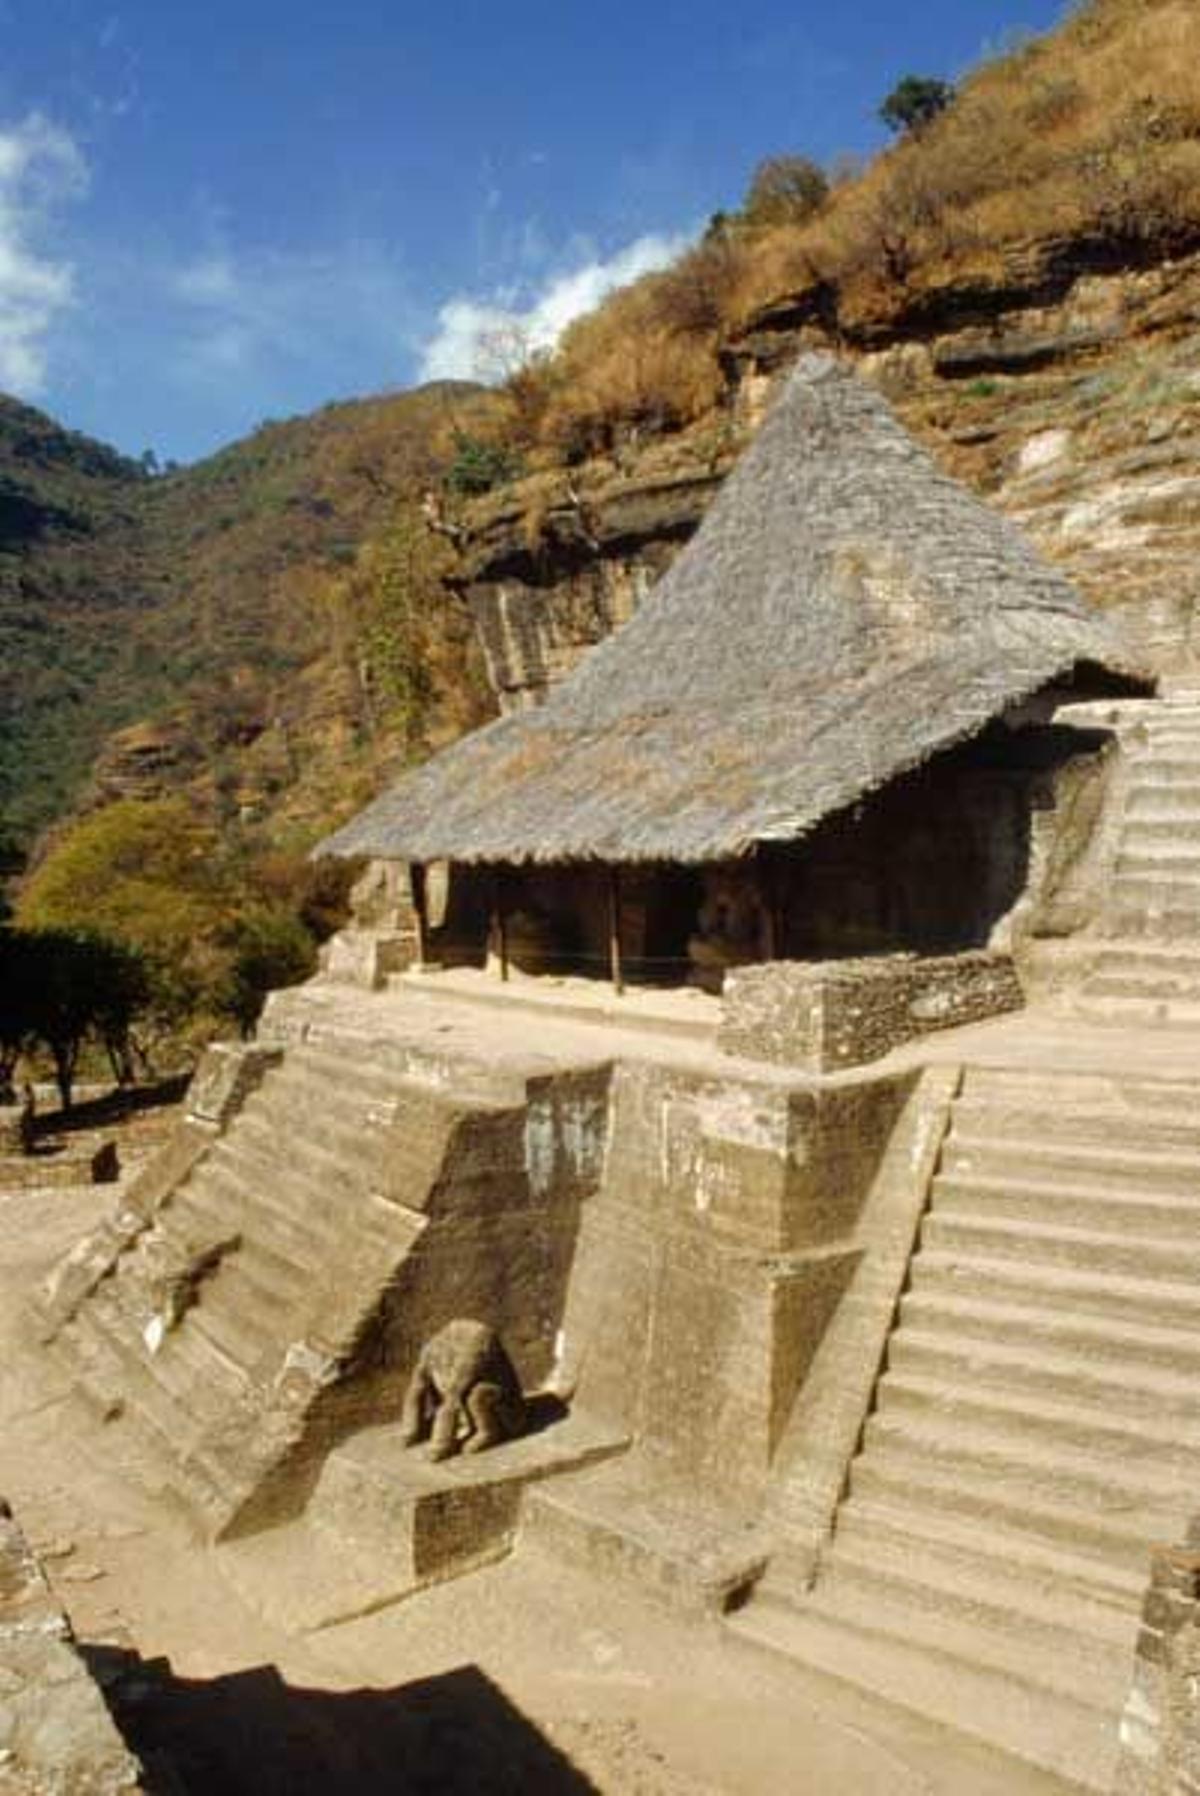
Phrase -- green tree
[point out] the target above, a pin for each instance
(62, 986)
(479, 465)
(270, 947)
(785, 190)
(150, 874)
(914, 101)
(388, 609)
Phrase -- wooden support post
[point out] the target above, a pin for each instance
(766, 897)
(614, 930)
(500, 920)
(769, 890)
(416, 880)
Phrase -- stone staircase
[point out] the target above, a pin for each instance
(1149, 971)
(236, 1308)
(1036, 1428)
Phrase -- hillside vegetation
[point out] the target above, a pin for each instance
(201, 672)
(217, 602)
(1088, 138)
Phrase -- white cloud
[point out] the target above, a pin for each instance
(256, 312)
(463, 347)
(41, 168)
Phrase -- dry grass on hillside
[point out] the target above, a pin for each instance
(1091, 131)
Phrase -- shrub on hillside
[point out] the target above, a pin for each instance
(915, 102)
(785, 190)
(480, 464)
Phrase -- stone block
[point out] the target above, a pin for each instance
(105, 1164)
(228, 1072)
(367, 957)
(383, 1522)
(16, 1129)
(631, 1521)
(824, 1016)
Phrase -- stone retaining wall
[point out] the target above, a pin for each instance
(827, 1015)
(1160, 1729)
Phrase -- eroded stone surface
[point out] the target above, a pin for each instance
(56, 1735)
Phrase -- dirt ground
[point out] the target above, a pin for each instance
(527, 1679)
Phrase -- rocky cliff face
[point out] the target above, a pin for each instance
(1067, 393)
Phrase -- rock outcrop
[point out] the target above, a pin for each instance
(1066, 394)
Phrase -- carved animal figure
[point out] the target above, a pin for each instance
(464, 1392)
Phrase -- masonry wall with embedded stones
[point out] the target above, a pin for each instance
(1160, 1728)
(826, 1015)
(711, 1259)
(56, 1734)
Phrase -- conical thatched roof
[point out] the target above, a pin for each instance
(845, 612)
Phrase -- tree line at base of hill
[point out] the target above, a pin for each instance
(61, 989)
(145, 931)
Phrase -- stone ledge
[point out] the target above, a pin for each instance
(825, 1016)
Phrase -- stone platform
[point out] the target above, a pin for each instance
(383, 1522)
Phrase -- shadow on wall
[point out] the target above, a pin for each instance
(250, 1734)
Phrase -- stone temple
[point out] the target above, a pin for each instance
(767, 1044)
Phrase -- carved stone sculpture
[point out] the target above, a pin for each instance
(730, 929)
(464, 1392)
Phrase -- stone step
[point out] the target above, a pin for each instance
(403, 1083)
(1173, 798)
(1042, 1121)
(1126, 1165)
(916, 1469)
(1153, 894)
(265, 1281)
(315, 1164)
(920, 1664)
(1101, 1208)
(1161, 1406)
(1098, 1474)
(1077, 1670)
(1176, 861)
(294, 1214)
(279, 1252)
(626, 1522)
(1104, 1341)
(1152, 991)
(1128, 1012)
(1126, 1094)
(1160, 769)
(296, 1116)
(242, 1339)
(1082, 1633)
(1137, 911)
(150, 1441)
(1166, 738)
(959, 1273)
(1136, 954)
(322, 1210)
(347, 1071)
(99, 1339)
(185, 1366)
(1047, 1569)
(1164, 837)
(1146, 1257)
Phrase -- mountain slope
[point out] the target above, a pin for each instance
(192, 610)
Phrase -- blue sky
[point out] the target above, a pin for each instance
(214, 214)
